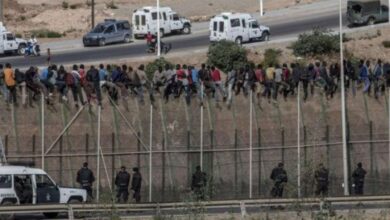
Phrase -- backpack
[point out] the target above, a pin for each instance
(69, 79)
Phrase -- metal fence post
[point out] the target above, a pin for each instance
(60, 160)
(86, 147)
(113, 158)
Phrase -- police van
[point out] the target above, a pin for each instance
(29, 186)
(145, 20)
(237, 27)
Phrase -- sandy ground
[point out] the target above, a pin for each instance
(23, 16)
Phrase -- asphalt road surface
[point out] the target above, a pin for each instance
(279, 30)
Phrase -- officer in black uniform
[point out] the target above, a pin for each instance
(279, 176)
(136, 184)
(86, 178)
(122, 182)
(199, 182)
(321, 176)
(358, 179)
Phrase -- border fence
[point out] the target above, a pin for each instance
(237, 147)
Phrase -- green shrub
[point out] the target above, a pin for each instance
(111, 5)
(386, 43)
(22, 18)
(226, 55)
(65, 5)
(74, 6)
(18, 35)
(44, 33)
(271, 57)
(318, 42)
(153, 66)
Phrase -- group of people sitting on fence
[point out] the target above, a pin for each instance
(120, 82)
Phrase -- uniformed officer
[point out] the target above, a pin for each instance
(136, 184)
(86, 178)
(122, 182)
(358, 179)
(199, 182)
(321, 176)
(279, 176)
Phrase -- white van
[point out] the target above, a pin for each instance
(24, 185)
(237, 27)
(10, 44)
(145, 20)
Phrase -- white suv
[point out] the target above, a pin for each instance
(24, 185)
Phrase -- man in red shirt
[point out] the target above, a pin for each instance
(216, 77)
(260, 79)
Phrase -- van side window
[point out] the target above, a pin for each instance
(123, 26)
(143, 20)
(221, 26)
(215, 26)
(137, 20)
(154, 16)
(165, 16)
(5, 181)
(43, 181)
(243, 23)
(235, 22)
(385, 8)
(175, 17)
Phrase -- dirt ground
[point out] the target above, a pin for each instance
(23, 16)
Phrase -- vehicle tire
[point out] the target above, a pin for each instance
(238, 40)
(7, 216)
(265, 36)
(102, 42)
(127, 39)
(186, 29)
(21, 49)
(371, 21)
(162, 33)
(50, 214)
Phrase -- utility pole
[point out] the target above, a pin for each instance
(93, 13)
(343, 108)
(261, 8)
(1, 10)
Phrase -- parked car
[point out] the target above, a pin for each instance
(237, 27)
(145, 20)
(362, 12)
(24, 185)
(108, 32)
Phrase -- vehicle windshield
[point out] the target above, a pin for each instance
(98, 29)
(356, 9)
(255, 25)
(10, 37)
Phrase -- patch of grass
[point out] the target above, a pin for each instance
(111, 5)
(44, 33)
(386, 43)
(65, 5)
(22, 18)
(271, 57)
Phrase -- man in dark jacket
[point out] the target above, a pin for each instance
(122, 181)
(358, 176)
(321, 176)
(86, 178)
(136, 184)
(94, 79)
(279, 176)
(199, 182)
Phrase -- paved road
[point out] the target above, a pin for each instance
(182, 43)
